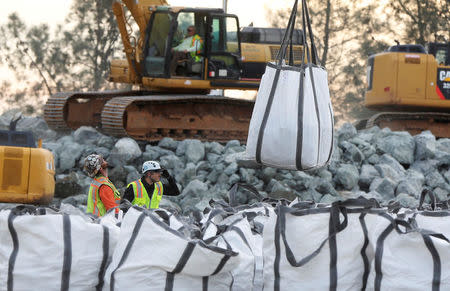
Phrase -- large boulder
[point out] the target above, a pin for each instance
(347, 176)
(425, 146)
(68, 155)
(86, 135)
(400, 145)
(125, 150)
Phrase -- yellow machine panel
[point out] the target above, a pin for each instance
(27, 175)
(404, 80)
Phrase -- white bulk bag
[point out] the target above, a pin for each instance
(416, 259)
(292, 120)
(315, 249)
(53, 251)
(150, 255)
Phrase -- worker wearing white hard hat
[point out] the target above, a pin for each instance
(148, 190)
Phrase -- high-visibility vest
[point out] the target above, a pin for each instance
(141, 197)
(94, 203)
(195, 55)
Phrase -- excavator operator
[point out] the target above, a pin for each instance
(191, 46)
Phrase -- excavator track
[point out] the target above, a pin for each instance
(211, 118)
(69, 110)
(413, 122)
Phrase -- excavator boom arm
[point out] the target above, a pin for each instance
(136, 9)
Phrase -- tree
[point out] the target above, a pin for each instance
(345, 34)
(92, 40)
(74, 57)
(425, 20)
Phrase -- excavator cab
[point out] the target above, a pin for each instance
(217, 57)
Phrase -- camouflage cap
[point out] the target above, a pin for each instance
(92, 164)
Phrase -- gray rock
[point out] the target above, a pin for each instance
(366, 148)
(373, 195)
(231, 169)
(118, 174)
(67, 185)
(352, 152)
(69, 153)
(325, 175)
(171, 162)
(37, 126)
(406, 200)
(132, 176)
(374, 159)
(189, 173)
(278, 191)
(86, 135)
(195, 188)
(328, 199)
(425, 167)
(368, 173)
(443, 144)
(346, 132)
(169, 205)
(233, 179)
(168, 143)
(213, 176)
(435, 179)
(212, 158)
(400, 145)
(268, 174)
(203, 166)
(393, 163)
(347, 176)
(247, 175)
(447, 175)
(386, 171)
(425, 145)
(384, 186)
(128, 148)
(302, 180)
(195, 150)
(106, 141)
(441, 194)
(75, 200)
(233, 157)
(325, 187)
(216, 148)
(407, 187)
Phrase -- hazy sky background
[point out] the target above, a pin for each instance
(54, 11)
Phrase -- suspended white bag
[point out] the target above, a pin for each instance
(53, 251)
(292, 120)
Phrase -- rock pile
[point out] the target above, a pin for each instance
(375, 163)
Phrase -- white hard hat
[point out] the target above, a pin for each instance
(150, 166)
(92, 164)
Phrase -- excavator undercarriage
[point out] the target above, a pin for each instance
(152, 117)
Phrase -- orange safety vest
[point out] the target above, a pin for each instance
(94, 203)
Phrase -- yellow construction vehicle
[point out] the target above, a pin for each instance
(412, 85)
(26, 171)
(175, 104)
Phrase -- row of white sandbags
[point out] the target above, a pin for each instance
(345, 246)
(41, 249)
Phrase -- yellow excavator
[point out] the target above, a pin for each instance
(175, 104)
(410, 84)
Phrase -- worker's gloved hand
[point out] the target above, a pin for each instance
(165, 174)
